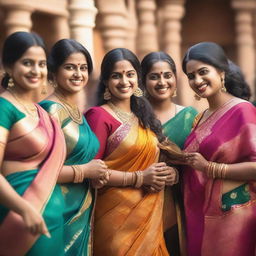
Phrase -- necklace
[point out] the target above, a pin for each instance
(73, 111)
(30, 109)
(125, 117)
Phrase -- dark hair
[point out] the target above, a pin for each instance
(62, 50)
(139, 105)
(150, 59)
(15, 46)
(212, 54)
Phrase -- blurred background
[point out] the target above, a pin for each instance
(142, 26)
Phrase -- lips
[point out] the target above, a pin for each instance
(202, 88)
(33, 79)
(76, 82)
(162, 90)
(124, 89)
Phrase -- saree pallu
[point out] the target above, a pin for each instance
(38, 186)
(227, 136)
(128, 221)
(82, 145)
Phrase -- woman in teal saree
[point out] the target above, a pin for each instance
(70, 65)
(32, 155)
(160, 83)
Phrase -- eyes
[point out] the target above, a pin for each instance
(201, 72)
(31, 63)
(117, 75)
(156, 76)
(72, 67)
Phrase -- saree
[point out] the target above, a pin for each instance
(82, 145)
(176, 129)
(43, 147)
(227, 136)
(128, 221)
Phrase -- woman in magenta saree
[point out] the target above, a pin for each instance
(33, 152)
(219, 187)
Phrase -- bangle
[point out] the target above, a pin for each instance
(216, 170)
(139, 179)
(124, 179)
(78, 173)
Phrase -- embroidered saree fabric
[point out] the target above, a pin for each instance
(128, 221)
(227, 136)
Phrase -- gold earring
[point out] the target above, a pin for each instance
(138, 92)
(107, 94)
(174, 93)
(223, 88)
(197, 97)
(10, 82)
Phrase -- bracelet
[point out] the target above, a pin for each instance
(78, 173)
(124, 179)
(139, 179)
(216, 170)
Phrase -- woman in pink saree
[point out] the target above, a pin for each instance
(219, 182)
(32, 152)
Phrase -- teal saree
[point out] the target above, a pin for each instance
(82, 145)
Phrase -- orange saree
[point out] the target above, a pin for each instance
(128, 221)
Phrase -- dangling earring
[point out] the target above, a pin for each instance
(174, 93)
(138, 92)
(107, 94)
(44, 90)
(197, 97)
(10, 82)
(223, 88)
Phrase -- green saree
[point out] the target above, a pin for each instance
(82, 145)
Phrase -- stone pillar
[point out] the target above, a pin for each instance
(82, 22)
(245, 39)
(172, 13)
(132, 25)
(18, 18)
(60, 28)
(147, 30)
(113, 23)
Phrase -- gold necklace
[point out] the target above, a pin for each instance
(31, 110)
(73, 111)
(125, 117)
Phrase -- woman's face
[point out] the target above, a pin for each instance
(72, 75)
(160, 81)
(30, 71)
(123, 80)
(204, 79)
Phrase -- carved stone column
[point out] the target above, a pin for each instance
(18, 18)
(82, 22)
(147, 30)
(113, 23)
(245, 39)
(132, 25)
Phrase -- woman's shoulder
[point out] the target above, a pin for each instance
(97, 112)
(186, 110)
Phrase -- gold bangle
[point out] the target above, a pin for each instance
(78, 173)
(124, 179)
(139, 179)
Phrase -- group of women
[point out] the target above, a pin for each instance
(135, 175)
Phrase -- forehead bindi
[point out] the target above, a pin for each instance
(123, 66)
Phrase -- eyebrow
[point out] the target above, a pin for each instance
(197, 70)
(118, 72)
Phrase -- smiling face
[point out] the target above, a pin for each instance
(30, 71)
(123, 81)
(72, 75)
(204, 79)
(160, 81)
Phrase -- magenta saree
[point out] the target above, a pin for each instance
(44, 147)
(227, 136)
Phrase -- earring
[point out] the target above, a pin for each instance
(44, 90)
(223, 88)
(107, 94)
(197, 97)
(174, 93)
(10, 82)
(138, 92)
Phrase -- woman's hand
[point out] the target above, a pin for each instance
(156, 175)
(95, 169)
(197, 161)
(102, 181)
(33, 220)
(173, 177)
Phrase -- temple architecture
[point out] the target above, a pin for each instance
(142, 26)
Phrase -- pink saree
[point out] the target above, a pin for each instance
(44, 147)
(227, 136)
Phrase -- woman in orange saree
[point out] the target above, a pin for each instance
(128, 216)
(32, 154)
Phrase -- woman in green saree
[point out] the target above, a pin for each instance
(160, 82)
(70, 65)
(32, 153)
